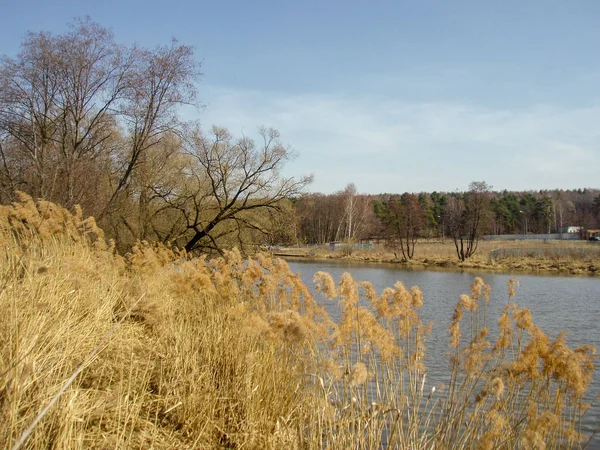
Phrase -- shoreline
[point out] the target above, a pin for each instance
(524, 265)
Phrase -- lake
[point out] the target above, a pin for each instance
(557, 303)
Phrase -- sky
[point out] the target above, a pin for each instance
(392, 96)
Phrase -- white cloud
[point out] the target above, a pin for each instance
(389, 145)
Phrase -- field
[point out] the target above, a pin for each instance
(551, 256)
(157, 350)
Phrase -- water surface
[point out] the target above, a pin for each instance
(557, 303)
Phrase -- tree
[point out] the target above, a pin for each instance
(543, 214)
(230, 188)
(78, 113)
(86, 121)
(56, 100)
(403, 218)
(439, 203)
(355, 209)
(430, 221)
(527, 211)
(140, 213)
(320, 217)
(466, 213)
(507, 213)
(161, 81)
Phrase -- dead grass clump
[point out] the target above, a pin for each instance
(46, 221)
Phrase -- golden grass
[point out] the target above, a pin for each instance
(175, 352)
(568, 257)
(433, 250)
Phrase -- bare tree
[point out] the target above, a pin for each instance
(465, 217)
(140, 212)
(78, 112)
(57, 99)
(161, 81)
(232, 185)
(321, 217)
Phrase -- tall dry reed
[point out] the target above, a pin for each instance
(167, 351)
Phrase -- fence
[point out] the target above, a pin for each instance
(349, 245)
(522, 237)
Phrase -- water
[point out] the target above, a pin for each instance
(557, 304)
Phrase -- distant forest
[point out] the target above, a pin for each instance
(348, 215)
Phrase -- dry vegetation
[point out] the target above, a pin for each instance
(565, 257)
(156, 350)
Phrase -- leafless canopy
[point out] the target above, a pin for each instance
(77, 111)
(232, 185)
(86, 121)
(466, 214)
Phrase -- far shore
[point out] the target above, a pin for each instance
(580, 258)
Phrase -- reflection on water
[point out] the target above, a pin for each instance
(557, 304)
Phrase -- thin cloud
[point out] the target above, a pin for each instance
(388, 145)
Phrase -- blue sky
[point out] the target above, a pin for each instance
(391, 95)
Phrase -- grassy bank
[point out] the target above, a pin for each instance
(560, 257)
(157, 350)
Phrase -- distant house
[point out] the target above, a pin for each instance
(572, 230)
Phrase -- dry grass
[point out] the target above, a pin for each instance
(189, 367)
(439, 250)
(569, 257)
(189, 353)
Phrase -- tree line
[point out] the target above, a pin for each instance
(401, 219)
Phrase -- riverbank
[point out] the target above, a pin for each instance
(580, 258)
